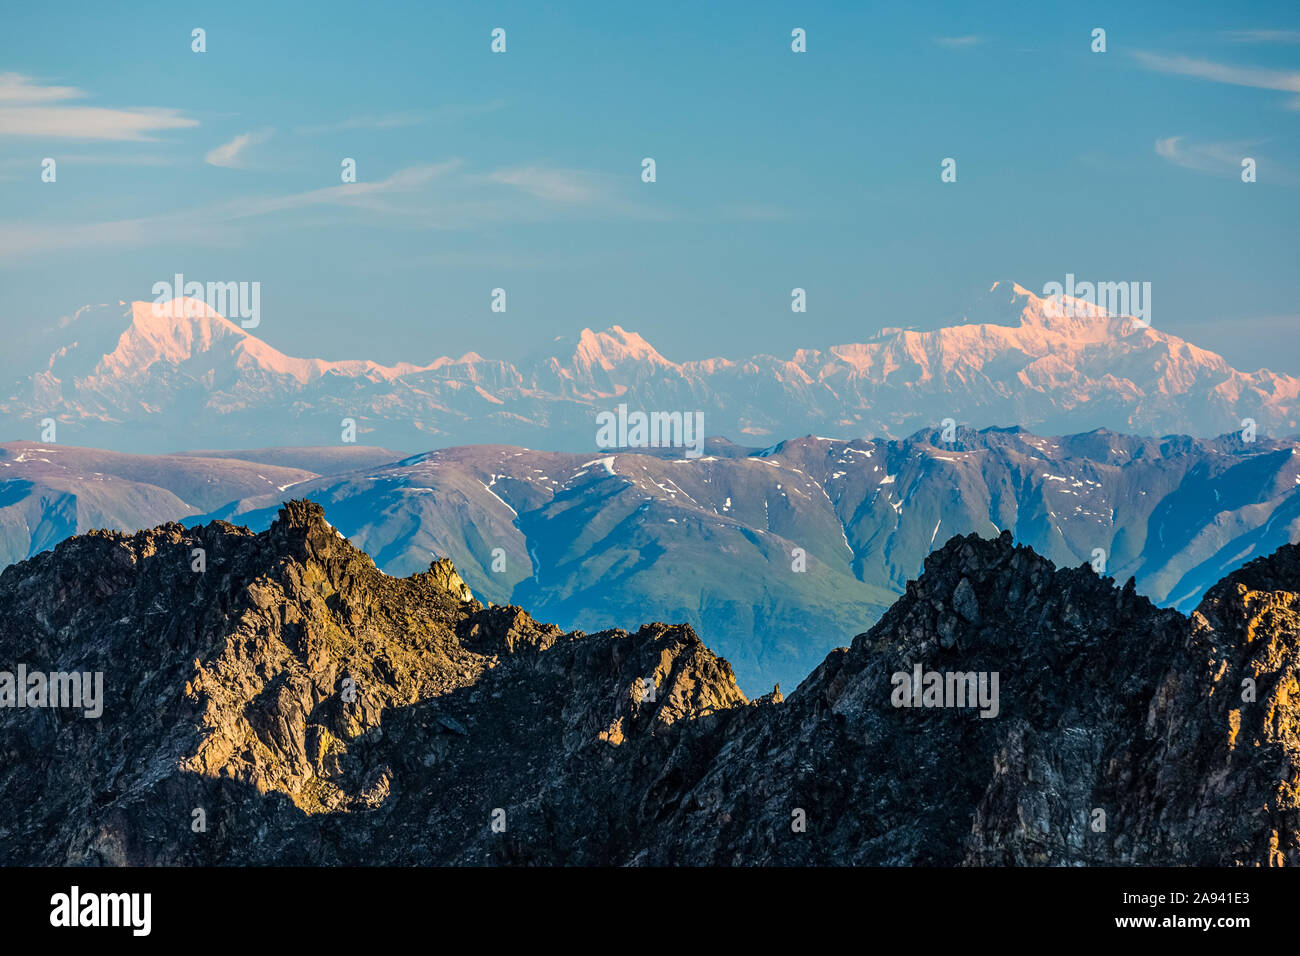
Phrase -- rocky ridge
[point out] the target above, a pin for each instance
(290, 703)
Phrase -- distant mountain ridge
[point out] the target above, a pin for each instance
(779, 554)
(154, 379)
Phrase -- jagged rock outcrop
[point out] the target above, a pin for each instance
(274, 698)
(1223, 781)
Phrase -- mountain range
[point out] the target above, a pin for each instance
(779, 554)
(289, 703)
(147, 379)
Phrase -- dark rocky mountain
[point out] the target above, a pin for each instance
(293, 704)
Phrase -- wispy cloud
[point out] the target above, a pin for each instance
(1206, 157)
(441, 196)
(557, 185)
(362, 195)
(30, 109)
(955, 43)
(229, 154)
(16, 88)
(85, 122)
(218, 223)
(1287, 81)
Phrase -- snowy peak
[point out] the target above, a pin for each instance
(1033, 309)
(1015, 290)
(1042, 322)
(178, 316)
(186, 332)
(614, 347)
(1059, 365)
(170, 332)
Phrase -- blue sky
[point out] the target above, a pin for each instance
(522, 170)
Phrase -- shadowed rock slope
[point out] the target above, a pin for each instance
(290, 703)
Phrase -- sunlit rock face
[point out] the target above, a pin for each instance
(274, 697)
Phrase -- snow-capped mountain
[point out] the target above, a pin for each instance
(157, 379)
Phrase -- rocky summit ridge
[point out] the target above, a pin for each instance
(275, 698)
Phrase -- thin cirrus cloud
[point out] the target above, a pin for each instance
(230, 154)
(28, 108)
(544, 192)
(1223, 158)
(461, 199)
(16, 88)
(1262, 78)
(556, 185)
(362, 195)
(219, 220)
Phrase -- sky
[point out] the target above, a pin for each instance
(522, 170)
